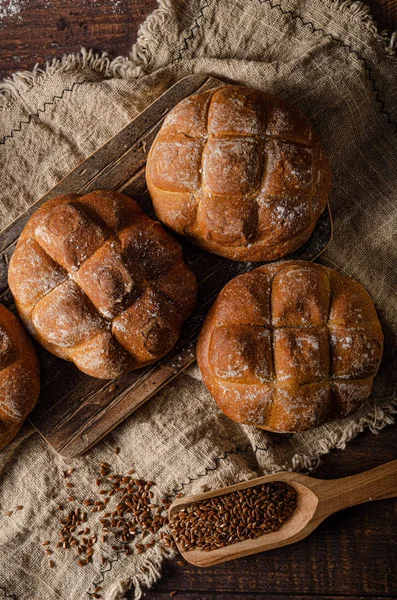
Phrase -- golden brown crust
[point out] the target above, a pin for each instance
(240, 173)
(19, 376)
(289, 346)
(99, 283)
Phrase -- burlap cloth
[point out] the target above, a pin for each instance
(326, 57)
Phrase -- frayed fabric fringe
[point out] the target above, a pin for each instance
(149, 573)
(361, 13)
(149, 34)
(122, 67)
(375, 420)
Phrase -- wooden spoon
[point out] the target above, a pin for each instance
(316, 500)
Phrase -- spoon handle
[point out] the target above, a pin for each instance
(375, 484)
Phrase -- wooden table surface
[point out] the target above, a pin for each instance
(352, 555)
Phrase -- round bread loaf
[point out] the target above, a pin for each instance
(99, 283)
(240, 173)
(19, 376)
(289, 346)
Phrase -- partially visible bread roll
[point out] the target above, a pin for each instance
(99, 283)
(19, 376)
(290, 346)
(240, 173)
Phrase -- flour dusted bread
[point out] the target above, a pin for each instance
(19, 376)
(240, 173)
(99, 283)
(290, 346)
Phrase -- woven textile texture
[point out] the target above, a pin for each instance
(326, 57)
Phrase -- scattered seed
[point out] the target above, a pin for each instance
(52, 564)
(69, 484)
(82, 562)
(20, 507)
(9, 513)
(117, 450)
(181, 563)
(174, 593)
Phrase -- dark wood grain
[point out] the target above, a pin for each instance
(44, 29)
(351, 555)
(203, 595)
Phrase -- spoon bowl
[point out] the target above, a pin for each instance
(316, 500)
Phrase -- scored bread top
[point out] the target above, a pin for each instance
(239, 172)
(289, 346)
(19, 376)
(99, 283)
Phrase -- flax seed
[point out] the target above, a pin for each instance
(234, 517)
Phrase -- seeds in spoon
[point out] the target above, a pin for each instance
(235, 517)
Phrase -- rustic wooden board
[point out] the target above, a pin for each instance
(75, 411)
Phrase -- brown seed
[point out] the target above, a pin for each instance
(103, 560)
(174, 593)
(228, 519)
(97, 481)
(52, 564)
(19, 507)
(71, 499)
(117, 450)
(181, 563)
(47, 551)
(82, 562)
(45, 543)
(112, 388)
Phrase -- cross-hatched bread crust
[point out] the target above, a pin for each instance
(19, 376)
(290, 346)
(240, 173)
(99, 283)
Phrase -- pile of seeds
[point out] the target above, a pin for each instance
(224, 520)
(128, 512)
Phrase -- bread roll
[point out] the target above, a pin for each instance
(240, 173)
(99, 283)
(290, 346)
(19, 376)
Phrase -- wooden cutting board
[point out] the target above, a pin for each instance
(75, 411)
